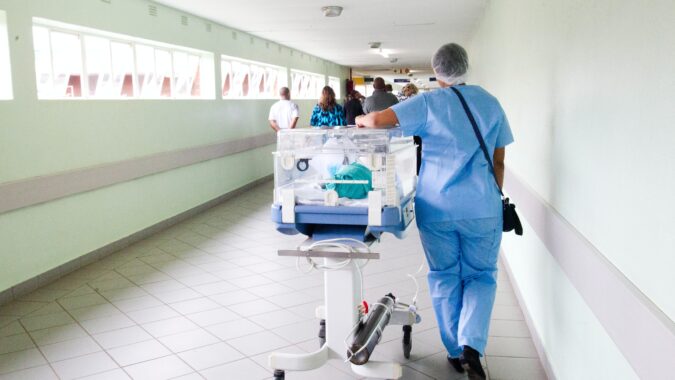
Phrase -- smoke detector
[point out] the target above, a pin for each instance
(331, 10)
(393, 60)
(374, 45)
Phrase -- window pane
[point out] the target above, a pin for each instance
(240, 72)
(226, 78)
(43, 62)
(194, 71)
(163, 72)
(335, 84)
(180, 74)
(5, 71)
(67, 63)
(145, 72)
(123, 69)
(99, 71)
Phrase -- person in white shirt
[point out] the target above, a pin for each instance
(284, 114)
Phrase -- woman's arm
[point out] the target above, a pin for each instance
(382, 119)
(498, 162)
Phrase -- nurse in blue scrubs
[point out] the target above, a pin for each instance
(458, 204)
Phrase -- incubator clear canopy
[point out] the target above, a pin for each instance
(319, 164)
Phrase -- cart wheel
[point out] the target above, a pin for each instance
(279, 374)
(407, 341)
(322, 333)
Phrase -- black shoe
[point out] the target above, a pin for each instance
(456, 364)
(470, 360)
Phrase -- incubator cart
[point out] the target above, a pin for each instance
(343, 213)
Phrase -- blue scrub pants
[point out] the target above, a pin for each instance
(462, 257)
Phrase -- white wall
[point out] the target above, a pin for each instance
(589, 89)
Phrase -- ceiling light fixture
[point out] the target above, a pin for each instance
(374, 45)
(332, 10)
(384, 53)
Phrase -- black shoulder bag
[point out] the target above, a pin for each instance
(511, 219)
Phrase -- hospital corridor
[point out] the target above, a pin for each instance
(281, 190)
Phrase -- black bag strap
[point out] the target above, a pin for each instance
(479, 136)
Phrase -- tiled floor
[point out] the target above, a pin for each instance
(209, 298)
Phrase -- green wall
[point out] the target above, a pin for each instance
(51, 136)
(588, 88)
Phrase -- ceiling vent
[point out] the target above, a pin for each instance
(332, 11)
(152, 10)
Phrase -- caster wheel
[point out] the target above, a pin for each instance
(407, 341)
(322, 333)
(279, 374)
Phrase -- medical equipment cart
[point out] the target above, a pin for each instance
(341, 232)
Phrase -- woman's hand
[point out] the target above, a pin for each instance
(382, 119)
(360, 121)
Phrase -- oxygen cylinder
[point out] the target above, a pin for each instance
(370, 331)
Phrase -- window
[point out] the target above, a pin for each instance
(242, 79)
(5, 71)
(306, 85)
(116, 66)
(336, 84)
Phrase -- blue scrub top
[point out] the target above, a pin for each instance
(455, 182)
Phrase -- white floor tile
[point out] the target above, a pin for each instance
(43, 372)
(277, 318)
(116, 374)
(234, 329)
(99, 325)
(511, 347)
(15, 361)
(122, 337)
(256, 307)
(138, 352)
(194, 306)
(84, 366)
(233, 298)
(153, 314)
(137, 303)
(188, 340)
(502, 368)
(70, 349)
(94, 312)
(169, 326)
(212, 317)
(46, 321)
(210, 356)
(258, 343)
(241, 369)
(16, 342)
(159, 369)
(58, 334)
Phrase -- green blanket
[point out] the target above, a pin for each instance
(353, 171)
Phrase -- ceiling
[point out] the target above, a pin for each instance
(408, 30)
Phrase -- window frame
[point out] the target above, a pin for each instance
(7, 89)
(205, 59)
(337, 88)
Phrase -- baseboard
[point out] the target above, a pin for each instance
(538, 344)
(54, 274)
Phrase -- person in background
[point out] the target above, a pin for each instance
(353, 107)
(389, 88)
(407, 92)
(284, 114)
(327, 113)
(458, 205)
(380, 99)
